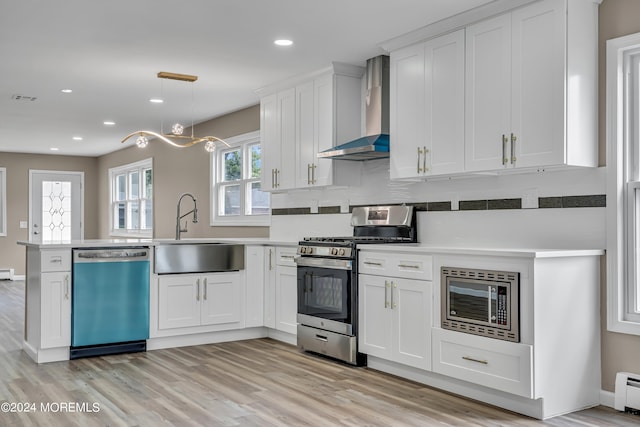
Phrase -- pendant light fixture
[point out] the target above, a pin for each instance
(176, 137)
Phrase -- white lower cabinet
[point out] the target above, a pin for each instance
(191, 300)
(395, 312)
(56, 309)
(502, 365)
(280, 289)
(286, 291)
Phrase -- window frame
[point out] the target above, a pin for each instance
(140, 167)
(216, 159)
(623, 184)
(3, 202)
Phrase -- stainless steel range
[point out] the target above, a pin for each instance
(328, 280)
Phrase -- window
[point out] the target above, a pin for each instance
(236, 195)
(623, 184)
(132, 199)
(3, 201)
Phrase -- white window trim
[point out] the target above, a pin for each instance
(119, 169)
(3, 202)
(229, 221)
(618, 272)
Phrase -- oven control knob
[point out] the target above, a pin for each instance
(303, 249)
(310, 250)
(334, 251)
(342, 252)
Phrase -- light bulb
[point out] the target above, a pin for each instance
(177, 129)
(210, 146)
(142, 141)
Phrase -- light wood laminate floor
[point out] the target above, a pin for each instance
(247, 383)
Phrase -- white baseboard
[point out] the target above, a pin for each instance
(607, 398)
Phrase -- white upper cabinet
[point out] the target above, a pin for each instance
(278, 130)
(300, 118)
(514, 91)
(427, 108)
(531, 88)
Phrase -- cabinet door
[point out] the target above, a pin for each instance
(286, 112)
(270, 287)
(444, 105)
(412, 310)
(407, 123)
(325, 127)
(56, 309)
(375, 316)
(221, 299)
(255, 279)
(178, 301)
(269, 141)
(488, 94)
(305, 146)
(287, 299)
(538, 99)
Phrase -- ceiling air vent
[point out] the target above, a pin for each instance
(23, 98)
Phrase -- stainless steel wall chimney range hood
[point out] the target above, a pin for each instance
(375, 143)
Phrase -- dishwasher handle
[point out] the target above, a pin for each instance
(111, 255)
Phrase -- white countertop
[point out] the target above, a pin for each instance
(393, 247)
(103, 243)
(504, 252)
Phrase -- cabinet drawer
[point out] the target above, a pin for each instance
(55, 260)
(488, 362)
(286, 255)
(404, 265)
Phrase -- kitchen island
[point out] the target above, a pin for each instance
(176, 319)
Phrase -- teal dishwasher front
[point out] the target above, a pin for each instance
(110, 301)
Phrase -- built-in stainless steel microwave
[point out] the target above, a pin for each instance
(481, 302)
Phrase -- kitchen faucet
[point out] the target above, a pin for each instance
(179, 217)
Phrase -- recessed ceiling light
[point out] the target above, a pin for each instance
(66, 90)
(283, 42)
(54, 149)
(77, 138)
(156, 100)
(108, 123)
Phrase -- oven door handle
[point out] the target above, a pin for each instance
(338, 264)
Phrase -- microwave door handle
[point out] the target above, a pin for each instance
(491, 290)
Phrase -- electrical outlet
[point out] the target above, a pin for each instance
(530, 199)
(24, 224)
(455, 202)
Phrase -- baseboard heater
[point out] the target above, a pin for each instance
(106, 349)
(6, 273)
(627, 394)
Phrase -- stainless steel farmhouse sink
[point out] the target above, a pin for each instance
(198, 258)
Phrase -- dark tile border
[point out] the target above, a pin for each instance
(588, 201)
(585, 201)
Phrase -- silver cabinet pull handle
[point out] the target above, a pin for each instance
(408, 266)
(393, 304)
(313, 173)
(424, 160)
(288, 256)
(278, 178)
(270, 259)
(471, 359)
(308, 173)
(197, 289)
(386, 292)
(204, 286)
(504, 149)
(66, 286)
(513, 148)
(419, 154)
(379, 264)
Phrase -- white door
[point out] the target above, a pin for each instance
(56, 210)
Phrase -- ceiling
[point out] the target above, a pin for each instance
(109, 53)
